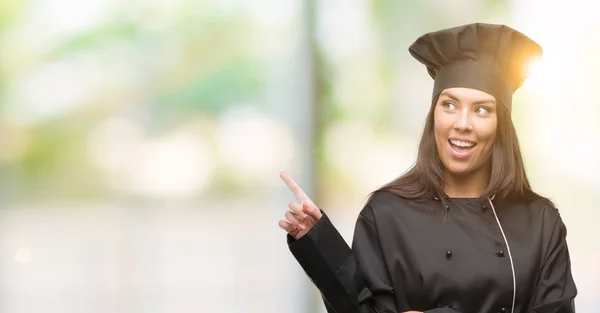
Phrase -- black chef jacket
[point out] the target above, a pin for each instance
(409, 255)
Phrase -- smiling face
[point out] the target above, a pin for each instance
(465, 123)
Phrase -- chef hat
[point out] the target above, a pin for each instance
(491, 58)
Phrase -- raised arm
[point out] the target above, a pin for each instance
(350, 281)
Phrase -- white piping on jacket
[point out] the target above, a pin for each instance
(512, 265)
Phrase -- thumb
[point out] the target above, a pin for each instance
(311, 210)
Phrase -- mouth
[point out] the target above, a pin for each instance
(461, 148)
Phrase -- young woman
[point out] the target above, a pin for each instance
(461, 231)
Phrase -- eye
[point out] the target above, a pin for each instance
(448, 105)
(482, 111)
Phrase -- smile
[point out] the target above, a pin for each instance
(460, 143)
(461, 149)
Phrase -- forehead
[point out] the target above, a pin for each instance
(468, 95)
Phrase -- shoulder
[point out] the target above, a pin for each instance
(538, 205)
(543, 211)
(545, 208)
(384, 205)
(552, 229)
(385, 200)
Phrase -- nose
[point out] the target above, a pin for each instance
(463, 121)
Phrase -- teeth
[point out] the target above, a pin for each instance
(462, 143)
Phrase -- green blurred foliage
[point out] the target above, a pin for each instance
(214, 68)
(9, 12)
(217, 90)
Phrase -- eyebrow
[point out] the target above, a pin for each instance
(453, 97)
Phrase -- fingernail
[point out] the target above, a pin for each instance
(302, 226)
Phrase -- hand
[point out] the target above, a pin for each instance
(302, 216)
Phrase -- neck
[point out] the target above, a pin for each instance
(466, 186)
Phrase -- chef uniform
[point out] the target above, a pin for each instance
(449, 255)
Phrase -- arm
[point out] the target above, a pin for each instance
(349, 281)
(555, 291)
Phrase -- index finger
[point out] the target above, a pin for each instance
(294, 187)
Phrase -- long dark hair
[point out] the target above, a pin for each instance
(425, 179)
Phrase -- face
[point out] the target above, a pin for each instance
(465, 122)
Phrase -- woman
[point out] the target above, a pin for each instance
(462, 231)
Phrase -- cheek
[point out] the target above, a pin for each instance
(440, 136)
(441, 133)
(441, 128)
(487, 135)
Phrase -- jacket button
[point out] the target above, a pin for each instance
(448, 254)
(500, 253)
(484, 208)
(503, 310)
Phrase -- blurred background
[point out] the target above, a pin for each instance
(141, 141)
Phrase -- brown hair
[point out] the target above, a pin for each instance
(425, 179)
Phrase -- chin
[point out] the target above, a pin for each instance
(459, 170)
